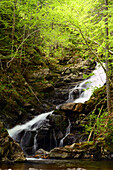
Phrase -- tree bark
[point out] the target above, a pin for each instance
(107, 59)
(13, 26)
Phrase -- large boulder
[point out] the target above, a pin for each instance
(10, 151)
(75, 107)
(84, 150)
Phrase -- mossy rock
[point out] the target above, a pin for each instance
(10, 151)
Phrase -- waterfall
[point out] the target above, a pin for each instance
(28, 132)
(32, 124)
(35, 146)
(23, 133)
(67, 133)
(87, 87)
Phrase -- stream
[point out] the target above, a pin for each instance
(21, 132)
(59, 165)
(25, 133)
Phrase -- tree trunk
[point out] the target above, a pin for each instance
(13, 26)
(107, 59)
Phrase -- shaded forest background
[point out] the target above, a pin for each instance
(36, 35)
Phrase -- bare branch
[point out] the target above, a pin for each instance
(8, 63)
(98, 59)
(95, 124)
(32, 91)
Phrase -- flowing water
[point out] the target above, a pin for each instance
(59, 165)
(32, 124)
(67, 132)
(87, 87)
(85, 90)
(23, 133)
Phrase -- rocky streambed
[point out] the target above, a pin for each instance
(62, 134)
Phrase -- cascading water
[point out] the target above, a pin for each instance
(33, 124)
(87, 87)
(27, 134)
(35, 146)
(23, 133)
(67, 132)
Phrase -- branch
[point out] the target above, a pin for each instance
(91, 49)
(95, 42)
(98, 59)
(95, 124)
(8, 63)
(32, 91)
(1, 64)
(94, 108)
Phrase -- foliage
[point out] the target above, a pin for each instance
(97, 125)
(59, 25)
(49, 31)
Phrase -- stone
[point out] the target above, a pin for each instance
(84, 150)
(77, 156)
(74, 70)
(60, 153)
(79, 107)
(41, 153)
(76, 107)
(67, 106)
(10, 151)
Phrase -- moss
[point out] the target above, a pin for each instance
(2, 130)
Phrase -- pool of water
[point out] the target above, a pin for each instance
(59, 165)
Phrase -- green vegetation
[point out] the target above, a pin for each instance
(37, 35)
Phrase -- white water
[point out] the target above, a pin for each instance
(35, 143)
(67, 133)
(36, 122)
(88, 86)
(85, 90)
(33, 159)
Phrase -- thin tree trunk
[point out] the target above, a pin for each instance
(13, 26)
(107, 59)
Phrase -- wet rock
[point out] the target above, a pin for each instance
(79, 107)
(67, 79)
(10, 151)
(83, 150)
(45, 134)
(75, 107)
(61, 153)
(59, 124)
(67, 71)
(67, 107)
(41, 153)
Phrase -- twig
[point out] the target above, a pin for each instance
(95, 42)
(1, 64)
(33, 92)
(98, 59)
(94, 108)
(80, 31)
(8, 63)
(95, 124)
